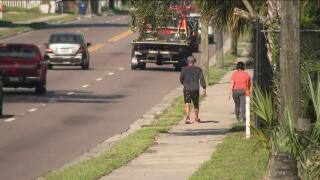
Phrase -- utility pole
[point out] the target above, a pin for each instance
(290, 60)
(205, 49)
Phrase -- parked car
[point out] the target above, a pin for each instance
(67, 49)
(22, 65)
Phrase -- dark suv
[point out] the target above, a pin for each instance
(67, 49)
(22, 65)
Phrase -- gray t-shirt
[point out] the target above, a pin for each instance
(190, 77)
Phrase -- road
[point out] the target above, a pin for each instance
(81, 108)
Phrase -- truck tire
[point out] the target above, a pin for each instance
(195, 48)
(177, 67)
(142, 66)
(50, 66)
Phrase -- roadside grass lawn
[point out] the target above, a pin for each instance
(234, 159)
(20, 14)
(135, 144)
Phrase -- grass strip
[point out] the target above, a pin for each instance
(234, 159)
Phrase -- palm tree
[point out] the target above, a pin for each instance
(221, 14)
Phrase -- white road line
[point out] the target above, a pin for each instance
(121, 69)
(85, 86)
(107, 22)
(86, 29)
(70, 93)
(78, 31)
(9, 119)
(111, 73)
(99, 79)
(33, 110)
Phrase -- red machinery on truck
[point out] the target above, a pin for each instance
(172, 44)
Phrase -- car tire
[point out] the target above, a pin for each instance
(134, 67)
(85, 66)
(85, 63)
(40, 89)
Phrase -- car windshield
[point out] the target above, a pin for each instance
(18, 52)
(65, 39)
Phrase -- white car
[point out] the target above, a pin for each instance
(67, 49)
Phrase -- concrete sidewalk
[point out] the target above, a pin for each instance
(179, 153)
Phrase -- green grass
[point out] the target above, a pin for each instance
(21, 14)
(234, 159)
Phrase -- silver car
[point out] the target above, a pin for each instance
(67, 49)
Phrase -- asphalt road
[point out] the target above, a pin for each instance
(82, 108)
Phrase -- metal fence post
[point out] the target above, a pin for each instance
(257, 62)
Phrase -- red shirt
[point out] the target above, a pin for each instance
(241, 80)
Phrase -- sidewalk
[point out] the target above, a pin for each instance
(179, 153)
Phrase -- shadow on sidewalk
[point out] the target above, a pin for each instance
(200, 132)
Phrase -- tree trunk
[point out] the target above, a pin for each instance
(111, 4)
(89, 8)
(290, 60)
(219, 48)
(205, 49)
(234, 43)
(283, 166)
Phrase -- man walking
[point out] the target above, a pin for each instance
(190, 77)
